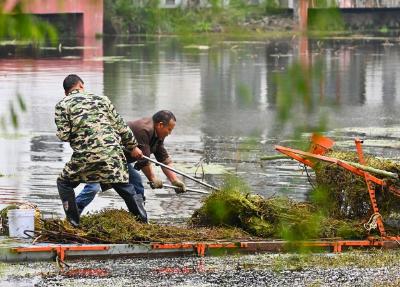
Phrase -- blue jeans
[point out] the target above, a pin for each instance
(90, 190)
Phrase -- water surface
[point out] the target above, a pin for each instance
(223, 95)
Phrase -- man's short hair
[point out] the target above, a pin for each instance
(70, 81)
(163, 116)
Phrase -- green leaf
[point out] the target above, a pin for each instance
(13, 116)
(21, 103)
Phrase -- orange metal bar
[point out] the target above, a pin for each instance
(337, 245)
(292, 153)
(359, 150)
(199, 247)
(303, 156)
(59, 249)
(172, 245)
(347, 166)
(371, 190)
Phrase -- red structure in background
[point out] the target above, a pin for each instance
(90, 24)
(90, 19)
(303, 15)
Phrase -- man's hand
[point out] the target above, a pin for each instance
(156, 183)
(136, 153)
(181, 187)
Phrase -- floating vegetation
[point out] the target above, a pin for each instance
(231, 214)
(339, 207)
(211, 168)
(48, 48)
(199, 47)
(79, 48)
(130, 45)
(112, 59)
(119, 226)
(15, 43)
(71, 57)
(275, 217)
(348, 194)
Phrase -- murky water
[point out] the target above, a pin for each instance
(223, 95)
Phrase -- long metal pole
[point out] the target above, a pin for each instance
(187, 189)
(181, 173)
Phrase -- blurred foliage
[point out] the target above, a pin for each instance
(300, 108)
(20, 27)
(134, 17)
(16, 25)
(329, 19)
(324, 3)
(16, 107)
(299, 99)
(130, 17)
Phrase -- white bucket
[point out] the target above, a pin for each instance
(20, 220)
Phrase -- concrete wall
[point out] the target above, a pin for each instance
(364, 18)
(91, 11)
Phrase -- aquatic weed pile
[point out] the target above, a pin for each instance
(347, 193)
(338, 207)
(276, 217)
(119, 226)
(232, 213)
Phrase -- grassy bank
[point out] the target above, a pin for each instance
(126, 17)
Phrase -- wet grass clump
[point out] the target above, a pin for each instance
(338, 208)
(275, 217)
(347, 193)
(231, 214)
(120, 226)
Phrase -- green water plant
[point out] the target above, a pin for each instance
(15, 24)
(119, 226)
(275, 217)
(348, 194)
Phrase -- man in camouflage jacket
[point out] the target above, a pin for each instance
(97, 134)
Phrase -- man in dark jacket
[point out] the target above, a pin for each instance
(98, 136)
(150, 134)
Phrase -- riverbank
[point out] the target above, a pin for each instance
(123, 19)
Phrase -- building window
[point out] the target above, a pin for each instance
(170, 2)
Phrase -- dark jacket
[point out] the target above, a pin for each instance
(148, 142)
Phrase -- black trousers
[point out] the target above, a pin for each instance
(133, 201)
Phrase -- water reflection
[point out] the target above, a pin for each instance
(224, 98)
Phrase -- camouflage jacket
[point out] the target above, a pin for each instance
(95, 132)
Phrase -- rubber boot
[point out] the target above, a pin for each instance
(67, 196)
(135, 205)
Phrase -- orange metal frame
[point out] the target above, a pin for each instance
(199, 247)
(59, 249)
(308, 158)
(320, 146)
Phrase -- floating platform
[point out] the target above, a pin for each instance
(19, 251)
